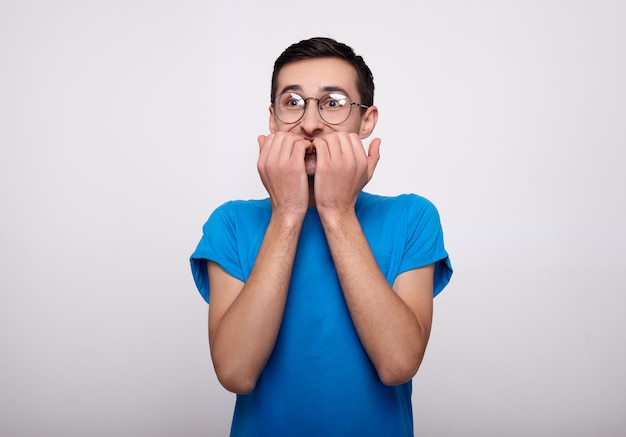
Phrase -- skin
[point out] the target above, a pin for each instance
(314, 164)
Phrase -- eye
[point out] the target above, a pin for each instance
(333, 101)
(292, 101)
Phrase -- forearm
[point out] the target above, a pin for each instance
(243, 339)
(390, 332)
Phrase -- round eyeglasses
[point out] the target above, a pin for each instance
(334, 108)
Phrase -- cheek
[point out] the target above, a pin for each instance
(354, 127)
(285, 127)
(353, 124)
(277, 126)
(272, 122)
(282, 127)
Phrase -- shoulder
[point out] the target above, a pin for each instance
(241, 210)
(411, 204)
(252, 206)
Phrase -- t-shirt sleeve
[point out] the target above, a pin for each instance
(218, 244)
(424, 242)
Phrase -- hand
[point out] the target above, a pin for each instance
(282, 170)
(343, 169)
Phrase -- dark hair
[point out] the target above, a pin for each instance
(327, 48)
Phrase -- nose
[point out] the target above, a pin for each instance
(311, 121)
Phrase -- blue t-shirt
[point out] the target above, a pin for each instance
(319, 380)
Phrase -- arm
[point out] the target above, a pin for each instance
(393, 323)
(244, 318)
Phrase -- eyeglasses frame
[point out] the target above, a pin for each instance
(319, 109)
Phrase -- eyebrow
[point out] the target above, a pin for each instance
(325, 89)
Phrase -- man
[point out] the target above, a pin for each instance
(320, 296)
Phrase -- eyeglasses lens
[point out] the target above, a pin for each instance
(334, 108)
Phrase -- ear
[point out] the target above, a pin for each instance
(272, 120)
(368, 122)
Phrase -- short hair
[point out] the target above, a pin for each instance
(320, 47)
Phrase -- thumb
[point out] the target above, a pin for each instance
(373, 155)
(374, 150)
(261, 140)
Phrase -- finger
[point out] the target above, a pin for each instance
(350, 143)
(281, 148)
(299, 148)
(335, 143)
(261, 140)
(374, 149)
(373, 156)
(322, 151)
(289, 146)
(356, 147)
(266, 147)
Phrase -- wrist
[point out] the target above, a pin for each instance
(332, 217)
(288, 218)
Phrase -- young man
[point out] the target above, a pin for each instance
(320, 296)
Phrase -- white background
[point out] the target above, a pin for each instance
(123, 124)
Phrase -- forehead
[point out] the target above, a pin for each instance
(318, 75)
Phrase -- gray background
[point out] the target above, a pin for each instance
(125, 123)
